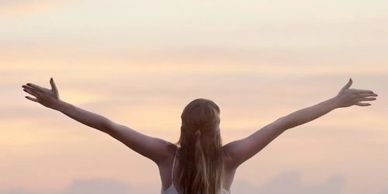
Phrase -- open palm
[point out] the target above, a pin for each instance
(46, 97)
(350, 96)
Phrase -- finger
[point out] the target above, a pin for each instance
(36, 86)
(31, 89)
(367, 95)
(348, 84)
(53, 86)
(28, 87)
(362, 104)
(32, 99)
(32, 92)
(367, 99)
(363, 91)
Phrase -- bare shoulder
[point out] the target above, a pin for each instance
(228, 159)
(171, 148)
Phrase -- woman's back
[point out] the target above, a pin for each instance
(172, 189)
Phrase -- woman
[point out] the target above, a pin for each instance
(198, 163)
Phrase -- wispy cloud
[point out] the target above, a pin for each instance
(27, 7)
(286, 182)
(16, 191)
(97, 186)
(291, 182)
(384, 192)
(134, 63)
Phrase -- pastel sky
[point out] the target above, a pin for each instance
(140, 62)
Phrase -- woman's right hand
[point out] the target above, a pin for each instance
(348, 97)
(47, 97)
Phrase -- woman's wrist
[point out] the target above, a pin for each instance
(58, 105)
(336, 102)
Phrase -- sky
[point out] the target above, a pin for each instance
(139, 63)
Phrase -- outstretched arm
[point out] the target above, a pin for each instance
(153, 148)
(241, 150)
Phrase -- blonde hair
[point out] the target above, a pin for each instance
(200, 158)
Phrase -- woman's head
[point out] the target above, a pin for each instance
(202, 117)
(200, 156)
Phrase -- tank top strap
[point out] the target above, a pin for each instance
(173, 166)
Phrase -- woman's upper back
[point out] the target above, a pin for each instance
(172, 189)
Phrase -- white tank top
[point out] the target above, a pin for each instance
(172, 189)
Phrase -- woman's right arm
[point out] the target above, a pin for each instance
(156, 149)
(241, 150)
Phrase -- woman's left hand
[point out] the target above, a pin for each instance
(348, 96)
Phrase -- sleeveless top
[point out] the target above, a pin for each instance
(172, 189)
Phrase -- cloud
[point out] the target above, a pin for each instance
(80, 186)
(384, 191)
(97, 186)
(107, 186)
(291, 182)
(16, 191)
(26, 7)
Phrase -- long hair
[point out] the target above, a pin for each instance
(200, 159)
